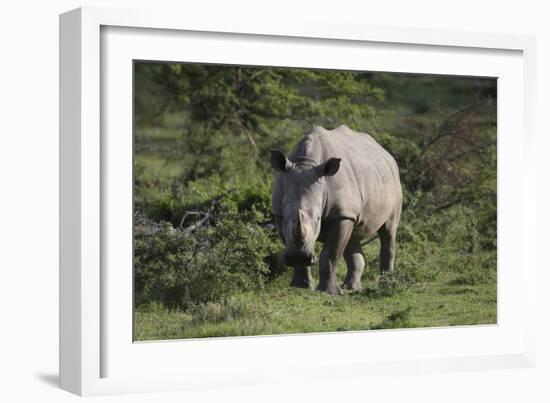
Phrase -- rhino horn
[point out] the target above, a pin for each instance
(301, 227)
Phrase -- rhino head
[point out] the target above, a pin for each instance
(304, 194)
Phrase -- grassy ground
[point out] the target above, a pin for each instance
(280, 309)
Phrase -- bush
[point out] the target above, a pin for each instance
(451, 241)
(227, 244)
(182, 268)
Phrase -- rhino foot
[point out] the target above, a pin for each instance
(333, 290)
(301, 278)
(302, 284)
(352, 286)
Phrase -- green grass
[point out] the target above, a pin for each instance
(280, 309)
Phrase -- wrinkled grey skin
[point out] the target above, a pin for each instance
(337, 187)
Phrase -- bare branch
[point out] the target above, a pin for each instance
(187, 214)
(207, 217)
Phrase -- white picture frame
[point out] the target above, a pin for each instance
(97, 357)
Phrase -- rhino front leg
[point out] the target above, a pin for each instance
(338, 233)
(302, 278)
(355, 263)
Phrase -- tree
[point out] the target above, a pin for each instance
(249, 101)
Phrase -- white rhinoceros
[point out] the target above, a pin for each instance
(337, 187)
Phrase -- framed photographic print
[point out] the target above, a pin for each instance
(241, 202)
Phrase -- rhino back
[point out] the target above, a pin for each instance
(365, 189)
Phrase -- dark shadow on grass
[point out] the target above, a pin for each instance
(400, 319)
(49, 379)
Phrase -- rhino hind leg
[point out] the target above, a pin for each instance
(301, 278)
(355, 262)
(387, 236)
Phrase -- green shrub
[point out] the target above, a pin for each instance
(391, 283)
(180, 268)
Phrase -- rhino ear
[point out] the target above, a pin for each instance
(328, 168)
(279, 162)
